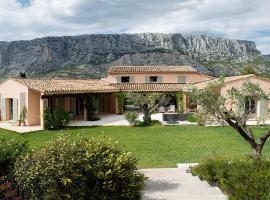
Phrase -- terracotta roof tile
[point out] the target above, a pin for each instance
(150, 87)
(71, 86)
(229, 79)
(151, 69)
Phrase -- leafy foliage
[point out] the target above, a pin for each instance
(10, 150)
(180, 102)
(8, 190)
(56, 120)
(121, 96)
(22, 116)
(245, 178)
(148, 102)
(228, 108)
(79, 168)
(131, 117)
(91, 107)
(22, 75)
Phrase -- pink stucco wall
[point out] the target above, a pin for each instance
(12, 89)
(33, 113)
(167, 78)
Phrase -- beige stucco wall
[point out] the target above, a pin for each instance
(12, 89)
(167, 78)
(264, 84)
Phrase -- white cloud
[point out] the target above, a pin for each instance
(240, 19)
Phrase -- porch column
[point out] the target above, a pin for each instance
(44, 103)
(85, 109)
(184, 102)
(117, 111)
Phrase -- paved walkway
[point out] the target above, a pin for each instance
(105, 120)
(19, 129)
(177, 184)
(119, 120)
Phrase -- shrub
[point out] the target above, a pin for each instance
(79, 168)
(8, 190)
(191, 118)
(131, 117)
(91, 107)
(200, 118)
(121, 96)
(22, 116)
(240, 178)
(10, 150)
(56, 120)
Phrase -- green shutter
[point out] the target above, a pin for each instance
(182, 79)
(147, 79)
(15, 110)
(160, 79)
(263, 108)
(3, 109)
(118, 79)
(131, 79)
(22, 100)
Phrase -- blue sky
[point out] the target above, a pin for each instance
(24, 2)
(236, 19)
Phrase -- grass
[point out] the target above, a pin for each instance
(159, 146)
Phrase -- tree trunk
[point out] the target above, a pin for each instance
(147, 116)
(257, 151)
(247, 134)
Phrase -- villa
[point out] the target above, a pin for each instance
(69, 94)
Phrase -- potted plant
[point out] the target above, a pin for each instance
(19, 122)
(23, 116)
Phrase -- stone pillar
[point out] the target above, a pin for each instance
(85, 109)
(44, 103)
(117, 111)
(184, 102)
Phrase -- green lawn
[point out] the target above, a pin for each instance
(159, 146)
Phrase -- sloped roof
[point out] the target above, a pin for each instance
(151, 69)
(150, 87)
(230, 79)
(67, 86)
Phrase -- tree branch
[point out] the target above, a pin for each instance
(264, 138)
(241, 130)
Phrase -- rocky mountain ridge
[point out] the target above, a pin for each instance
(89, 56)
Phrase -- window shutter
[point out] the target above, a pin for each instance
(182, 79)
(22, 100)
(15, 110)
(131, 79)
(147, 79)
(118, 79)
(262, 108)
(3, 109)
(160, 79)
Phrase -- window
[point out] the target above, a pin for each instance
(250, 105)
(153, 79)
(125, 79)
(182, 79)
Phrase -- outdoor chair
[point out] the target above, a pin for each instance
(161, 109)
(171, 109)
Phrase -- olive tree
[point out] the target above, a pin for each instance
(148, 102)
(230, 108)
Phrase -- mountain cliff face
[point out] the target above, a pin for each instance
(90, 55)
(267, 57)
